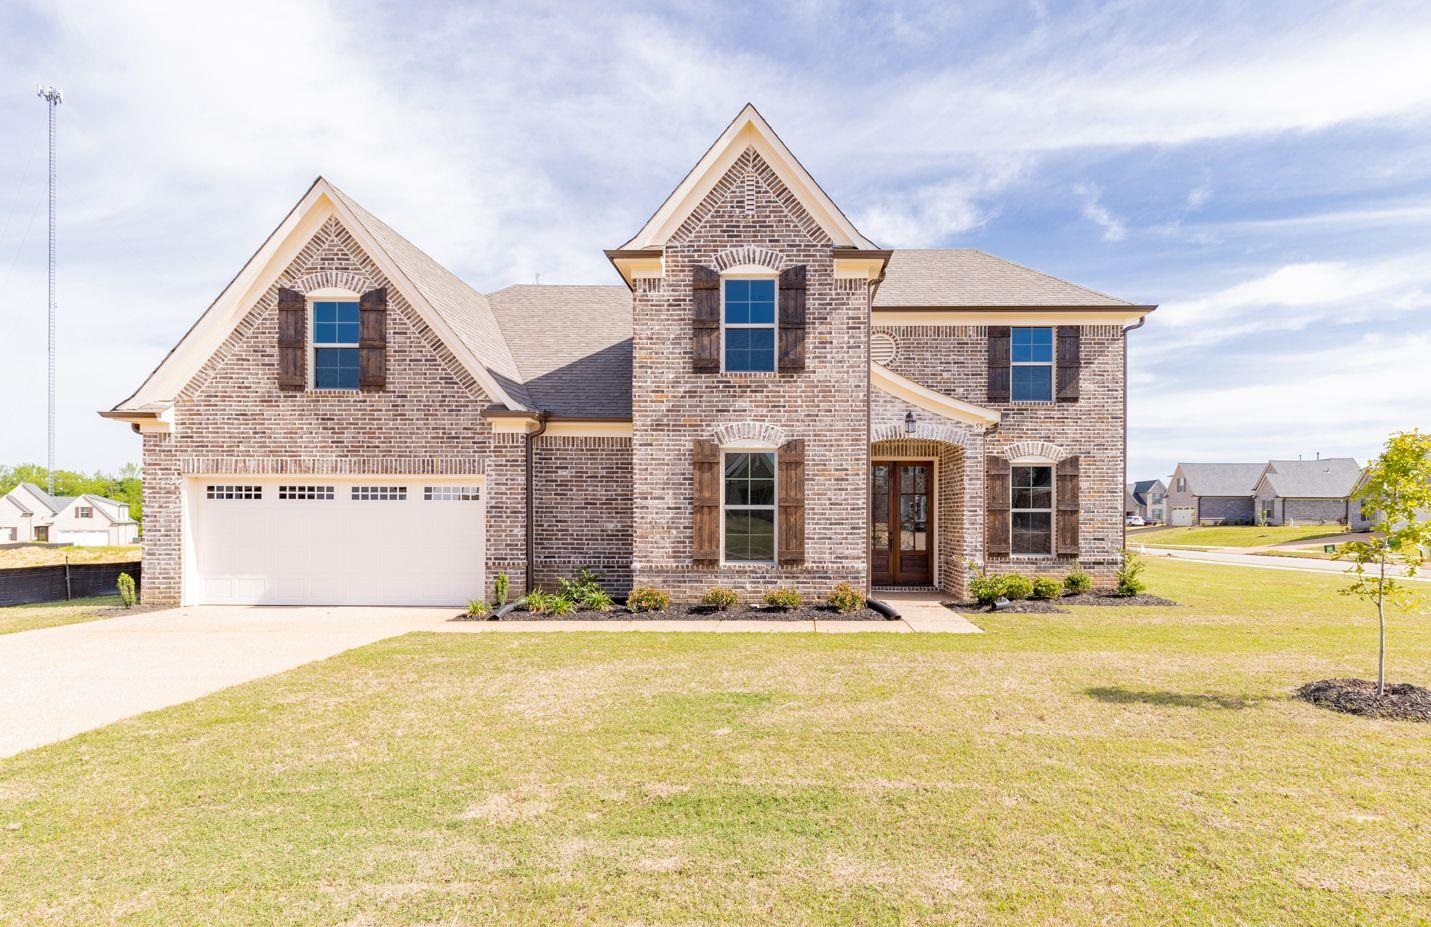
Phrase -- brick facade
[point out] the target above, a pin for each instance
(583, 510)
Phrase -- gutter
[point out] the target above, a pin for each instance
(1126, 329)
(542, 417)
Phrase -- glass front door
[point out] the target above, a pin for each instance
(902, 523)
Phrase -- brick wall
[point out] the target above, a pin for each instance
(1314, 511)
(1232, 510)
(583, 510)
(825, 404)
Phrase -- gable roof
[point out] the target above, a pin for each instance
(1221, 479)
(53, 503)
(459, 315)
(572, 345)
(1141, 488)
(929, 278)
(1328, 478)
(747, 130)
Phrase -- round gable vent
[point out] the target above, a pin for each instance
(882, 348)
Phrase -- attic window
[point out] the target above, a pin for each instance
(335, 345)
(84, 511)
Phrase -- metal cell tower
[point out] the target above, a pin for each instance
(53, 97)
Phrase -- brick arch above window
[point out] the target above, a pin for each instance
(1042, 450)
(332, 279)
(748, 255)
(761, 432)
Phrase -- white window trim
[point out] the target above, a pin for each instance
(1052, 509)
(84, 511)
(746, 447)
(327, 295)
(1052, 358)
(752, 272)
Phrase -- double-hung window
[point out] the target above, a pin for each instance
(748, 323)
(335, 345)
(749, 507)
(83, 511)
(1031, 360)
(1032, 509)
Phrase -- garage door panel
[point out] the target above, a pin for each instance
(340, 551)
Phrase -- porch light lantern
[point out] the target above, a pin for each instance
(909, 423)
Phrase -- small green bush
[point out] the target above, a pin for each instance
(720, 598)
(595, 600)
(783, 597)
(845, 598)
(986, 587)
(1130, 576)
(1046, 587)
(647, 599)
(503, 589)
(561, 605)
(1017, 588)
(1079, 582)
(582, 584)
(127, 595)
(539, 602)
(476, 608)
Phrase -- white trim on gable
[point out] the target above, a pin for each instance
(886, 380)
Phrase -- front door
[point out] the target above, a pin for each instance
(902, 523)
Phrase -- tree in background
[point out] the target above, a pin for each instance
(124, 487)
(1396, 494)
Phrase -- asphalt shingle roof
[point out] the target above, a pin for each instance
(1329, 478)
(966, 277)
(1222, 479)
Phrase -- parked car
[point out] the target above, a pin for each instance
(1136, 521)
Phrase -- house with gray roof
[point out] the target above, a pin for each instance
(1148, 500)
(29, 514)
(1213, 493)
(1305, 492)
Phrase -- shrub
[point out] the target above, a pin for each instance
(503, 588)
(127, 595)
(1017, 588)
(595, 599)
(845, 598)
(582, 584)
(783, 597)
(1130, 576)
(720, 598)
(561, 605)
(1046, 587)
(539, 602)
(476, 608)
(647, 599)
(986, 587)
(1079, 582)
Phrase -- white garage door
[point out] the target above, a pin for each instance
(320, 541)
(1180, 517)
(83, 538)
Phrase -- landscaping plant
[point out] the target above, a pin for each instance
(845, 598)
(1079, 582)
(784, 597)
(476, 608)
(1017, 588)
(1046, 587)
(561, 605)
(647, 599)
(1396, 489)
(503, 588)
(1130, 576)
(127, 595)
(720, 598)
(986, 588)
(539, 602)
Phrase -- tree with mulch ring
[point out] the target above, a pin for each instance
(1399, 702)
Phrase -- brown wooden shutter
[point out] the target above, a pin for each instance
(292, 339)
(1066, 518)
(998, 363)
(705, 499)
(792, 319)
(997, 489)
(373, 340)
(790, 462)
(1069, 361)
(705, 320)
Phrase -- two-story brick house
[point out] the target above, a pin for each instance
(768, 398)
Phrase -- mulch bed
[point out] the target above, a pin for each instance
(1402, 701)
(697, 612)
(1058, 606)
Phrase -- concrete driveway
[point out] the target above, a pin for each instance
(58, 682)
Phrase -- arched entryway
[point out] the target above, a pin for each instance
(917, 513)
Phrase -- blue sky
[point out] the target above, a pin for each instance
(1262, 171)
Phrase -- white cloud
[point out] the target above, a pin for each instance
(928, 214)
(1114, 228)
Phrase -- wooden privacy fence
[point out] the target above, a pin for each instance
(24, 585)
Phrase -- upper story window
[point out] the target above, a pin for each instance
(335, 345)
(748, 509)
(748, 324)
(1031, 360)
(83, 511)
(1182, 484)
(1031, 508)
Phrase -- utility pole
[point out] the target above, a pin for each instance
(53, 97)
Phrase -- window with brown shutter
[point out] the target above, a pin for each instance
(996, 495)
(790, 463)
(373, 340)
(705, 320)
(1069, 362)
(999, 363)
(292, 340)
(705, 500)
(1066, 491)
(792, 319)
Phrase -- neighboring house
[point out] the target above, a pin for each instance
(768, 399)
(1213, 492)
(28, 513)
(1309, 492)
(1147, 498)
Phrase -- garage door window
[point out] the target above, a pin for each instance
(306, 492)
(229, 492)
(452, 493)
(379, 493)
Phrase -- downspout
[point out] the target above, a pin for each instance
(1124, 487)
(542, 417)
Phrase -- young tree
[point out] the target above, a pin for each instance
(1396, 492)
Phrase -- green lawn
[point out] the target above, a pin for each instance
(1232, 535)
(1109, 767)
(50, 614)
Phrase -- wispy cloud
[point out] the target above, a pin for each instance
(1114, 228)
